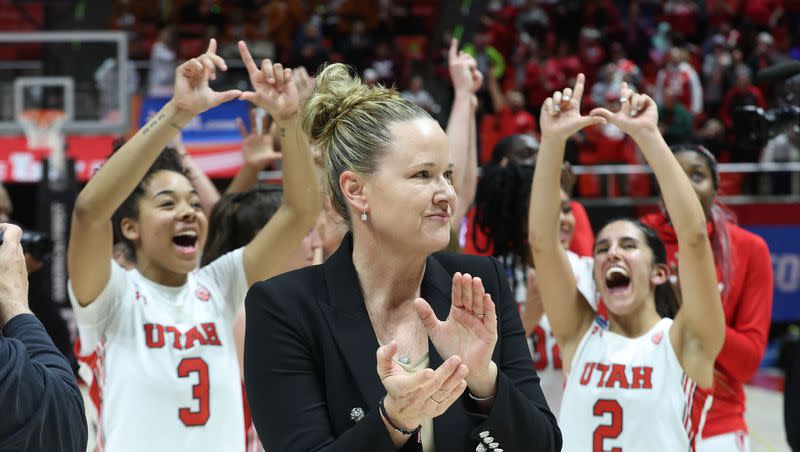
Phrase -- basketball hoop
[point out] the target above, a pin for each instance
(43, 130)
(42, 127)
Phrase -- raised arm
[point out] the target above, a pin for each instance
(699, 329)
(467, 80)
(567, 311)
(206, 190)
(258, 150)
(266, 255)
(90, 242)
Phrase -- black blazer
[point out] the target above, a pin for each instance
(310, 364)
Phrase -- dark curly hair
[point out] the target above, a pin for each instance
(167, 160)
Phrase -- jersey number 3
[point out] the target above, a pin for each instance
(602, 432)
(200, 392)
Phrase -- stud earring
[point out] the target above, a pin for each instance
(364, 215)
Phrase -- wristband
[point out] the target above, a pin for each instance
(395, 426)
(480, 399)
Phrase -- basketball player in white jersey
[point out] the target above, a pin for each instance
(629, 382)
(541, 340)
(158, 338)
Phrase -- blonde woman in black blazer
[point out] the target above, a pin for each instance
(390, 345)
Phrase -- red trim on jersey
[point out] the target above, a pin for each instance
(95, 361)
(747, 305)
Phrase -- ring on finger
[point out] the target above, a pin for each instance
(479, 315)
(437, 402)
(623, 99)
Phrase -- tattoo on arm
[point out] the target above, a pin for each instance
(155, 121)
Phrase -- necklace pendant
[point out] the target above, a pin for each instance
(404, 359)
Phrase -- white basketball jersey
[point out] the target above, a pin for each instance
(626, 394)
(542, 342)
(161, 361)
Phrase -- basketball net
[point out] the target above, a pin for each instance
(43, 130)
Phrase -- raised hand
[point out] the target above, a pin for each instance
(258, 149)
(191, 92)
(637, 114)
(561, 116)
(303, 82)
(413, 397)
(463, 70)
(274, 89)
(469, 332)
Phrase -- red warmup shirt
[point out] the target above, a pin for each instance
(748, 311)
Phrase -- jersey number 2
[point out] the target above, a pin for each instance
(601, 407)
(200, 392)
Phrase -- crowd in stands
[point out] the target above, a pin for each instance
(698, 60)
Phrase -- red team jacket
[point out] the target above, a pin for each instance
(748, 309)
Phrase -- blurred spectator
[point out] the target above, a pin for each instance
(683, 17)
(765, 14)
(607, 144)
(533, 20)
(785, 147)
(680, 78)
(674, 121)
(601, 15)
(417, 93)
(591, 52)
(712, 137)
(561, 66)
(370, 76)
(487, 57)
(742, 93)
(534, 80)
(637, 32)
(163, 62)
(386, 65)
(510, 110)
(764, 56)
(720, 11)
(309, 50)
(715, 66)
(660, 43)
(106, 79)
(357, 46)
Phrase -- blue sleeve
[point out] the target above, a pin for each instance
(42, 408)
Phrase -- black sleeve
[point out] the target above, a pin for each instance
(520, 418)
(285, 390)
(41, 406)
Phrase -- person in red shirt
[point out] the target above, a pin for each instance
(745, 275)
(743, 93)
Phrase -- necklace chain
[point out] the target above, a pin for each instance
(404, 358)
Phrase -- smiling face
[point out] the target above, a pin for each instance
(170, 230)
(410, 197)
(624, 268)
(696, 167)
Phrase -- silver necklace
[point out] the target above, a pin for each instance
(404, 357)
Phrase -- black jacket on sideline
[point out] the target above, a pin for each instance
(310, 364)
(41, 408)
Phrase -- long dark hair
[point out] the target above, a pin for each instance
(666, 302)
(719, 216)
(168, 160)
(237, 217)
